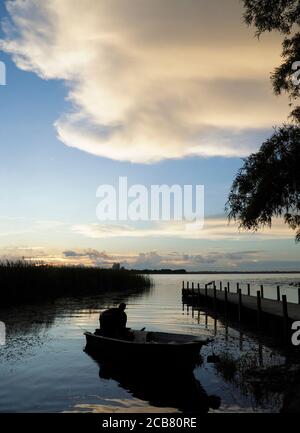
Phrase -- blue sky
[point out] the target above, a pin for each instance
(49, 180)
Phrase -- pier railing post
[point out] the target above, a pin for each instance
(248, 289)
(225, 299)
(299, 296)
(278, 293)
(262, 291)
(187, 285)
(228, 287)
(237, 287)
(285, 317)
(258, 309)
(220, 286)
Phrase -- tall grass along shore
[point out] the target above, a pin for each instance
(24, 281)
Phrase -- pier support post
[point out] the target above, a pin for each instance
(237, 287)
(278, 293)
(220, 286)
(228, 287)
(248, 289)
(299, 296)
(215, 296)
(262, 291)
(225, 299)
(285, 317)
(258, 309)
(240, 304)
(215, 326)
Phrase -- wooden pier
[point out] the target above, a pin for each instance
(273, 316)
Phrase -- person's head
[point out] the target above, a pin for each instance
(122, 306)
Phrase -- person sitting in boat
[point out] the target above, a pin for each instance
(113, 322)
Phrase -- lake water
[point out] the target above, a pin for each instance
(43, 367)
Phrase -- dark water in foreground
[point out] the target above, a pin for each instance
(43, 367)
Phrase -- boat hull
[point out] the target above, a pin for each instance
(162, 352)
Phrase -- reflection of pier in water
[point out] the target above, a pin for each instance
(213, 320)
(171, 386)
(241, 356)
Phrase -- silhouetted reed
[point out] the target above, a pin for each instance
(24, 281)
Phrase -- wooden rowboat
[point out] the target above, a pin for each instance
(152, 346)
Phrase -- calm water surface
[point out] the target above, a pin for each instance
(43, 367)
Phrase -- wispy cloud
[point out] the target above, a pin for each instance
(149, 80)
(13, 226)
(214, 229)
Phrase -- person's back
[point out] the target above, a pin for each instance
(113, 321)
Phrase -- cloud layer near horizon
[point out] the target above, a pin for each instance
(217, 228)
(149, 80)
(209, 260)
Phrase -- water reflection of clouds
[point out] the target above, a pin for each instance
(29, 327)
(133, 405)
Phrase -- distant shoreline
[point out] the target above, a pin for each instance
(183, 272)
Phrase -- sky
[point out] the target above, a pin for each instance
(172, 92)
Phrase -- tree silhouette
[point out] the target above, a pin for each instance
(268, 185)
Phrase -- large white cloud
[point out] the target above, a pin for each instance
(150, 79)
